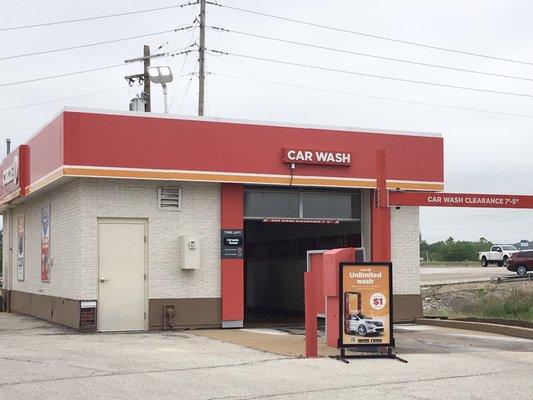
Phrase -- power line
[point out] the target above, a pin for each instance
(370, 35)
(86, 70)
(366, 54)
(316, 67)
(61, 75)
(284, 84)
(12, 28)
(175, 92)
(188, 86)
(95, 43)
(62, 99)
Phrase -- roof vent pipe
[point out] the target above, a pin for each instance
(8, 146)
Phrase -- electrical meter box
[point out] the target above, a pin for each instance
(189, 252)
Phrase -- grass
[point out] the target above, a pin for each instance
(517, 305)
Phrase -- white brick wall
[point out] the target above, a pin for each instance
(64, 239)
(199, 215)
(405, 250)
(77, 205)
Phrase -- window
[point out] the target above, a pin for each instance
(259, 204)
(291, 203)
(325, 205)
(169, 199)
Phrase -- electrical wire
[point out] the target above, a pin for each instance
(316, 67)
(162, 55)
(12, 28)
(315, 46)
(188, 86)
(175, 92)
(332, 28)
(61, 75)
(62, 99)
(95, 43)
(285, 84)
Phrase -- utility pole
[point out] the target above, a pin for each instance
(147, 91)
(201, 60)
(144, 78)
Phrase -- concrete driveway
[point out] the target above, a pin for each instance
(41, 361)
(442, 275)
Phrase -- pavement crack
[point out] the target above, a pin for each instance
(371, 385)
(96, 374)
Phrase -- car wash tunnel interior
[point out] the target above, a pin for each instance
(281, 225)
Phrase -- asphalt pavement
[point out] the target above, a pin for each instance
(39, 360)
(443, 274)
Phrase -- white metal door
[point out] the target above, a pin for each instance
(121, 280)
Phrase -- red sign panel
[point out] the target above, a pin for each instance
(319, 157)
(460, 200)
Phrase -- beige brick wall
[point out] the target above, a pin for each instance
(76, 207)
(64, 239)
(405, 250)
(199, 216)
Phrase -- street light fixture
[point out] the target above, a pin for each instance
(162, 75)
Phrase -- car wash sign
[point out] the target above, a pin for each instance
(318, 157)
(365, 304)
(460, 200)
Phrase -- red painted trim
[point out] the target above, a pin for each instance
(317, 267)
(24, 168)
(460, 200)
(311, 339)
(232, 270)
(331, 261)
(46, 150)
(158, 143)
(234, 151)
(380, 213)
(381, 234)
(8, 162)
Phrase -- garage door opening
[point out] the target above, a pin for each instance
(281, 225)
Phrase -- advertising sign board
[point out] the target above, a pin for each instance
(232, 245)
(45, 243)
(20, 247)
(365, 305)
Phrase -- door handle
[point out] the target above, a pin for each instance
(103, 280)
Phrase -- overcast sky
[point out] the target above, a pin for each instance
(484, 153)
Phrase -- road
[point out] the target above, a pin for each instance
(39, 360)
(440, 275)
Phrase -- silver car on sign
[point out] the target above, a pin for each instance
(362, 326)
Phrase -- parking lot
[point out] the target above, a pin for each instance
(451, 274)
(39, 360)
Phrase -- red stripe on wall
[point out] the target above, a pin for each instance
(232, 270)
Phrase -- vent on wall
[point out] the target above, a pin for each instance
(169, 199)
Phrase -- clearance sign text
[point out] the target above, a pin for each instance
(460, 200)
(319, 157)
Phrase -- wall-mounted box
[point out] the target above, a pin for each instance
(189, 252)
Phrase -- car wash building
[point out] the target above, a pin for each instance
(130, 221)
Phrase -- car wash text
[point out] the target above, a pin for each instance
(320, 157)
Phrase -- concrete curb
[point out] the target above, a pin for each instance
(506, 330)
